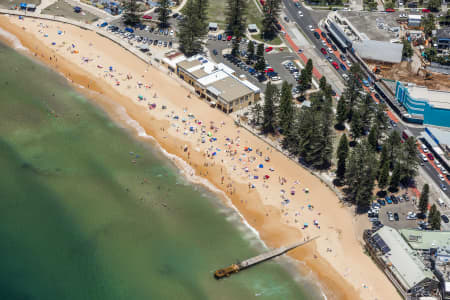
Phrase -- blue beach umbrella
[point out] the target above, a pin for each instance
(261, 166)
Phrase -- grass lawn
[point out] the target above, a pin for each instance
(276, 41)
(11, 3)
(63, 9)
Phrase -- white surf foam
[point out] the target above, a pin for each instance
(13, 40)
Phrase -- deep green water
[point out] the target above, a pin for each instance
(78, 221)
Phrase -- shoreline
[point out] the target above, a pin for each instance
(273, 230)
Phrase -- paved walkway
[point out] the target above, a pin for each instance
(44, 4)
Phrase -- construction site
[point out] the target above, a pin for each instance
(414, 73)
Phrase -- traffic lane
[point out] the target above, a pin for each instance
(304, 23)
(433, 164)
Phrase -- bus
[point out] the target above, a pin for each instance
(406, 134)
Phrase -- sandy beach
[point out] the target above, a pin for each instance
(276, 196)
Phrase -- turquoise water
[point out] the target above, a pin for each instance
(87, 212)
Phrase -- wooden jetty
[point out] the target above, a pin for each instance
(234, 268)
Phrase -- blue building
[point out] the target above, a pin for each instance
(433, 106)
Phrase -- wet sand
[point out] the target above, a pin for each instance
(336, 259)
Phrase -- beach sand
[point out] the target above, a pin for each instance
(337, 259)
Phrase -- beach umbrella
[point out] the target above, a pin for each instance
(255, 177)
(141, 97)
(266, 176)
(261, 166)
(209, 134)
(305, 224)
(59, 32)
(53, 43)
(110, 68)
(214, 153)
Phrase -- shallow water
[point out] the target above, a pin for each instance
(87, 212)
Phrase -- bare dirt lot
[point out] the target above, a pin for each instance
(404, 72)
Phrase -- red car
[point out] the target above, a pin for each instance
(269, 70)
(426, 10)
(324, 52)
(147, 17)
(430, 156)
(390, 10)
(229, 38)
(268, 49)
(262, 2)
(335, 65)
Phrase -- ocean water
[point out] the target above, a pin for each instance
(88, 212)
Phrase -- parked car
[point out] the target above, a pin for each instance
(317, 35)
(147, 17)
(215, 52)
(334, 48)
(430, 156)
(324, 52)
(343, 67)
(229, 38)
(268, 49)
(219, 37)
(335, 65)
(396, 218)
(323, 34)
(444, 218)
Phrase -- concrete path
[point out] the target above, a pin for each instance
(44, 4)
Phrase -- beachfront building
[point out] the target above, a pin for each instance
(430, 105)
(434, 246)
(217, 84)
(400, 263)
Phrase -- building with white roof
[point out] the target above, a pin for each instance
(401, 263)
(370, 50)
(217, 84)
(433, 105)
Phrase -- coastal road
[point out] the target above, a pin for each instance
(307, 19)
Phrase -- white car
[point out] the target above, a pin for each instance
(424, 157)
(345, 76)
(349, 64)
(171, 32)
(300, 14)
(330, 50)
(442, 178)
(311, 27)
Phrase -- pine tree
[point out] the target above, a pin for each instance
(271, 11)
(250, 50)
(235, 48)
(163, 14)
(356, 126)
(395, 178)
(372, 138)
(286, 108)
(269, 114)
(191, 34)
(342, 154)
(341, 112)
(235, 18)
(434, 218)
(309, 69)
(393, 145)
(409, 160)
(202, 8)
(423, 201)
(130, 16)
(383, 177)
(260, 61)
